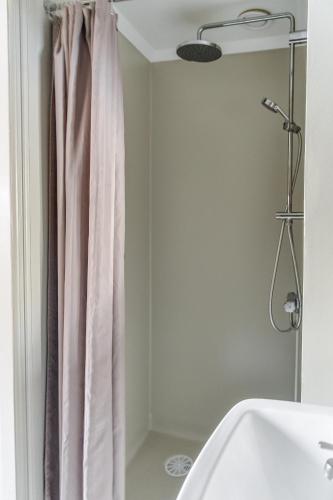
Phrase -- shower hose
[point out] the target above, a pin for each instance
(295, 318)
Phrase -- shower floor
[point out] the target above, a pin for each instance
(146, 477)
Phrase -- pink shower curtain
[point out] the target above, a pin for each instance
(84, 433)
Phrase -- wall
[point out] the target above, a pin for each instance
(218, 177)
(318, 236)
(136, 76)
(7, 430)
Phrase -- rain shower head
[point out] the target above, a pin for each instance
(199, 51)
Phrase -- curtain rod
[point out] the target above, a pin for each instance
(52, 7)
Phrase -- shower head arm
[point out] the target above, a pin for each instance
(248, 20)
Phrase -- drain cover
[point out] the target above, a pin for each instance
(178, 465)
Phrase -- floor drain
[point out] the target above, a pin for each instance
(178, 465)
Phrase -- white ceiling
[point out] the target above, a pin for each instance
(156, 27)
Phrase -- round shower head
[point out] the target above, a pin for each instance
(199, 51)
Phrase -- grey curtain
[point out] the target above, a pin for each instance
(84, 431)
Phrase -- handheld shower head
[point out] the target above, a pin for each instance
(272, 106)
(269, 104)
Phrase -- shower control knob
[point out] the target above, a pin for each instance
(328, 469)
(291, 305)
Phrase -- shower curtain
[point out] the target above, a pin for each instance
(84, 431)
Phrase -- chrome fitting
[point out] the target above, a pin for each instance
(289, 216)
(291, 127)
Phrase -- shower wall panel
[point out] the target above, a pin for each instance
(136, 77)
(219, 175)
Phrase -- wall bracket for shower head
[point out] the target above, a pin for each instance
(291, 127)
(253, 12)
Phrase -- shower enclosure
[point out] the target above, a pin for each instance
(205, 174)
(219, 169)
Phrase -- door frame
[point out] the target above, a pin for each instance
(28, 52)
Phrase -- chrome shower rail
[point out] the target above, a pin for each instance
(288, 216)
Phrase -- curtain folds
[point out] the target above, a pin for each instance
(84, 432)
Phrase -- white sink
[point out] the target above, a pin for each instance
(265, 450)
